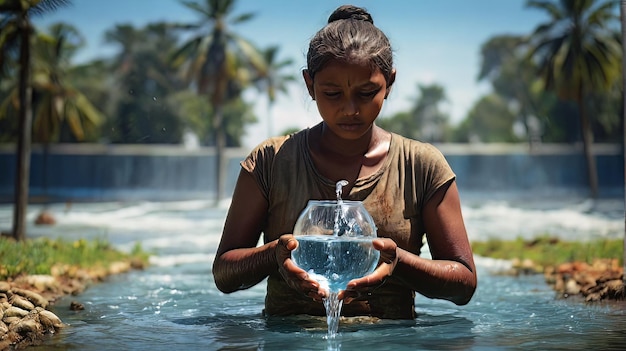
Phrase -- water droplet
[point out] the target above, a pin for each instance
(154, 98)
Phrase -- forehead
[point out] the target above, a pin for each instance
(341, 72)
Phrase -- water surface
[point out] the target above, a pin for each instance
(174, 304)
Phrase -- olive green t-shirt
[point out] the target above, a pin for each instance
(394, 196)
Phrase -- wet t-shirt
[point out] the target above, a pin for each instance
(394, 196)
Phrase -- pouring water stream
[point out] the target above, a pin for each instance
(332, 304)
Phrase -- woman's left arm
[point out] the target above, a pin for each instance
(449, 275)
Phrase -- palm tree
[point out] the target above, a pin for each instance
(217, 62)
(274, 81)
(623, 22)
(576, 55)
(57, 102)
(143, 77)
(18, 16)
(513, 78)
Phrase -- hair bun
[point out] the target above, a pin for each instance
(350, 12)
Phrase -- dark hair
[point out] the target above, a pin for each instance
(350, 36)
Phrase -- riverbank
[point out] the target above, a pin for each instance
(26, 292)
(589, 270)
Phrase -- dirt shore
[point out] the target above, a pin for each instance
(24, 316)
(600, 280)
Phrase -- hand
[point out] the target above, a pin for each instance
(362, 287)
(295, 276)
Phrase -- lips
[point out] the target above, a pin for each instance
(349, 126)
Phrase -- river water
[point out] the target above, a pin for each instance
(174, 304)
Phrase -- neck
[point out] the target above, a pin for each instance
(330, 142)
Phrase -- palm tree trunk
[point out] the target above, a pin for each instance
(220, 146)
(24, 138)
(623, 20)
(587, 134)
(270, 120)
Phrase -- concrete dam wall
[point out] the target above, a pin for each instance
(96, 172)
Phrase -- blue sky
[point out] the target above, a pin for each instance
(434, 42)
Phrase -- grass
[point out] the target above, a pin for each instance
(548, 251)
(38, 256)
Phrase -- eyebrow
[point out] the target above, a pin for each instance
(367, 84)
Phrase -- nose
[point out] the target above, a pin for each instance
(350, 107)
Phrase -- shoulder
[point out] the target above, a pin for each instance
(267, 150)
(412, 149)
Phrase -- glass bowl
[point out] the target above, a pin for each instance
(335, 242)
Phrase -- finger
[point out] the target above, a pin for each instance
(349, 296)
(360, 283)
(288, 242)
(317, 294)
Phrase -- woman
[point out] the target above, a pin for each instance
(407, 186)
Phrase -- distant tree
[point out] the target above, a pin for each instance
(144, 79)
(58, 106)
(425, 120)
(577, 53)
(289, 131)
(218, 62)
(430, 121)
(489, 121)
(16, 15)
(401, 123)
(273, 81)
(514, 79)
(57, 103)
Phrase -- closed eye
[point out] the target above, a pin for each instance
(369, 94)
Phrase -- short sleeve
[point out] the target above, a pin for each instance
(436, 171)
(426, 170)
(259, 163)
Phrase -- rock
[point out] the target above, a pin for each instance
(3, 329)
(602, 279)
(45, 218)
(19, 301)
(119, 267)
(25, 326)
(41, 282)
(15, 312)
(572, 287)
(616, 289)
(50, 321)
(32, 296)
(10, 320)
(76, 306)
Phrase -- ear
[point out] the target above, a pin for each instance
(309, 83)
(392, 79)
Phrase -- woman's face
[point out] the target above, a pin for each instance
(349, 96)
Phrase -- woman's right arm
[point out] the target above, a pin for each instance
(239, 263)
